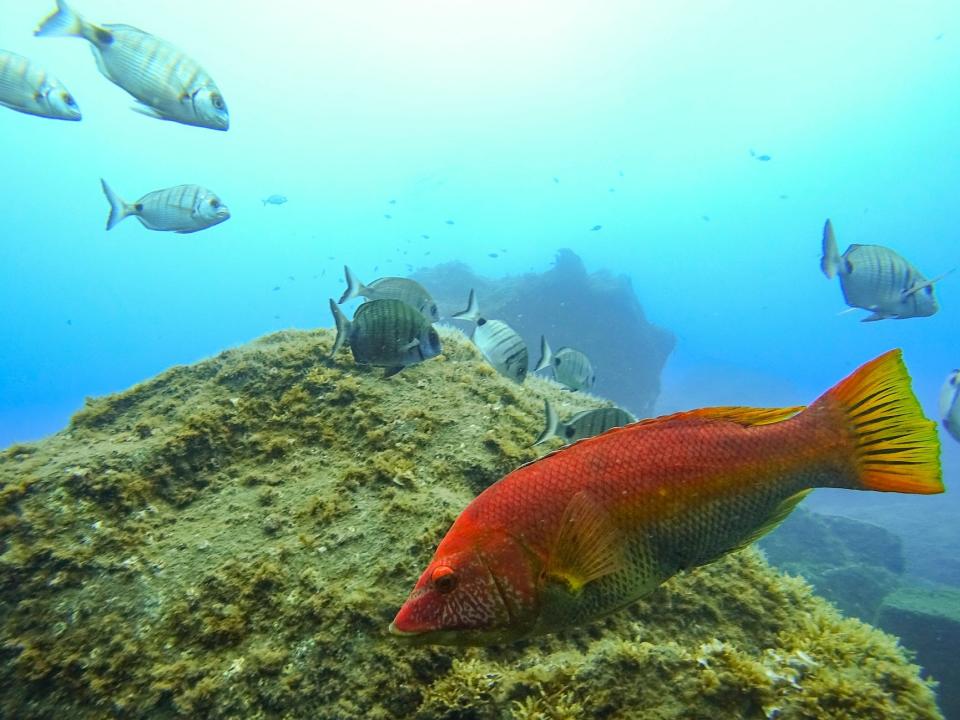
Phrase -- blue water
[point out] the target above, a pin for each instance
(526, 124)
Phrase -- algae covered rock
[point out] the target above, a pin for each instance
(231, 539)
(928, 619)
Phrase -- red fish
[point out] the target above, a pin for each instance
(590, 528)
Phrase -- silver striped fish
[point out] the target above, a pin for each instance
(570, 367)
(876, 278)
(386, 333)
(582, 425)
(167, 84)
(181, 209)
(499, 343)
(30, 89)
(950, 404)
(395, 288)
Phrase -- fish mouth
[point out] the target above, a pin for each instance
(394, 630)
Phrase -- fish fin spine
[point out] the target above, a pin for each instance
(119, 209)
(588, 545)
(343, 327)
(895, 447)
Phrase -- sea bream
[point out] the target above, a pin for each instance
(950, 404)
(570, 367)
(590, 528)
(168, 84)
(499, 343)
(876, 278)
(386, 333)
(180, 209)
(28, 88)
(582, 425)
(392, 288)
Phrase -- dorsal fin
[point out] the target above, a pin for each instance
(588, 545)
(746, 416)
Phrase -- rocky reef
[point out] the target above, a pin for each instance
(597, 313)
(860, 567)
(231, 539)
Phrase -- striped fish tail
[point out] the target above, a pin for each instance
(830, 260)
(355, 288)
(473, 309)
(895, 448)
(552, 423)
(546, 355)
(118, 208)
(343, 327)
(64, 22)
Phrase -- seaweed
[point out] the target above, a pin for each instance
(231, 539)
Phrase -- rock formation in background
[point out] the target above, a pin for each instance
(597, 313)
(859, 567)
(231, 539)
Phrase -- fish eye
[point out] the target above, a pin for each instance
(444, 579)
(434, 338)
(214, 203)
(68, 99)
(570, 432)
(556, 361)
(928, 290)
(217, 101)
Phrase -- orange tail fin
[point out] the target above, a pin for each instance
(896, 447)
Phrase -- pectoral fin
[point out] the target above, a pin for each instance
(144, 109)
(588, 545)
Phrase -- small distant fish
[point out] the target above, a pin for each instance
(392, 288)
(274, 200)
(181, 209)
(425, 237)
(276, 288)
(876, 278)
(30, 89)
(596, 227)
(584, 531)
(450, 222)
(493, 255)
(388, 216)
(705, 218)
(783, 197)
(570, 367)
(582, 425)
(386, 333)
(392, 202)
(761, 158)
(950, 404)
(499, 343)
(556, 180)
(166, 83)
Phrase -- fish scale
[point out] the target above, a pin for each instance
(30, 89)
(591, 528)
(168, 84)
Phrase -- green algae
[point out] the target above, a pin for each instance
(232, 538)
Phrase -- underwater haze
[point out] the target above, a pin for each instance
(695, 147)
(526, 124)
